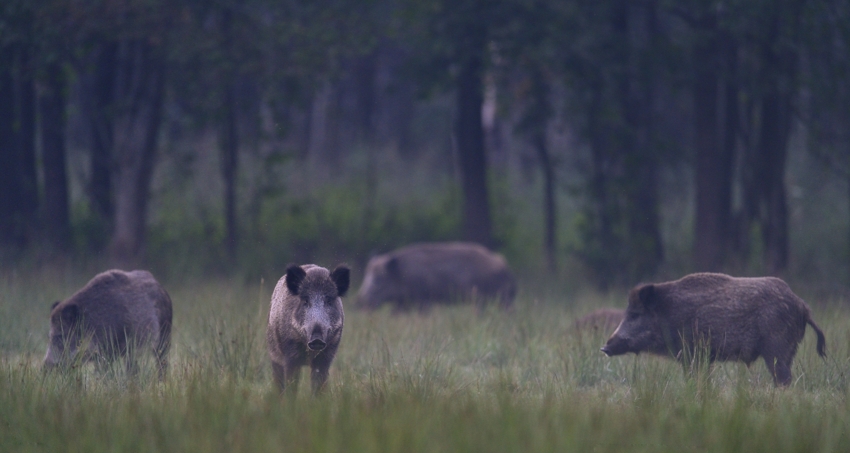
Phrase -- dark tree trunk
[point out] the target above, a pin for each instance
(602, 249)
(549, 220)
(773, 153)
(535, 124)
(711, 172)
(365, 70)
(749, 215)
(635, 154)
(18, 189)
(229, 168)
(229, 141)
(141, 82)
(8, 152)
(52, 105)
(477, 226)
(646, 246)
(28, 197)
(779, 86)
(731, 118)
(101, 111)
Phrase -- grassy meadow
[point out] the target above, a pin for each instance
(452, 379)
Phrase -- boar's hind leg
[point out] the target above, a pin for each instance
(780, 369)
(161, 362)
(161, 350)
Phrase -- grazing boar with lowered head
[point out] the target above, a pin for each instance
(115, 315)
(725, 317)
(419, 274)
(305, 323)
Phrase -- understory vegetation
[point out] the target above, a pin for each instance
(450, 379)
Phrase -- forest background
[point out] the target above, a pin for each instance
(604, 142)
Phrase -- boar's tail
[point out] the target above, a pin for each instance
(821, 338)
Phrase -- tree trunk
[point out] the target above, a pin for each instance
(731, 118)
(477, 226)
(26, 145)
(229, 140)
(773, 153)
(8, 153)
(779, 87)
(546, 166)
(102, 91)
(365, 71)
(535, 124)
(635, 156)
(141, 79)
(602, 248)
(229, 168)
(52, 105)
(645, 233)
(711, 174)
(18, 190)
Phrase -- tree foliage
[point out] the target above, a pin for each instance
(640, 87)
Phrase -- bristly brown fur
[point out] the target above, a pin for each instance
(120, 312)
(305, 323)
(737, 318)
(419, 275)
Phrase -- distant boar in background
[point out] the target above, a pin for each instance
(603, 319)
(115, 315)
(416, 275)
(733, 318)
(305, 323)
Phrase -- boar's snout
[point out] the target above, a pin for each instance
(317, 339)
(616, 345)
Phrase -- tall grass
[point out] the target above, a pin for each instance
(451, 379)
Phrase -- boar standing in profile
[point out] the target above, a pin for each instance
(602, 319)
(732, 318)
(305, 323)
(416, 275)
(115, 315)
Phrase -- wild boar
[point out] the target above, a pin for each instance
(115, 315)
(416, 275)
(603, 319)
(726, 317)
(305, 323)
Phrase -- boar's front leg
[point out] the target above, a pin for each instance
(319, 369)
(286, 371)
(286, 375)
(279, 375)
(780, 370)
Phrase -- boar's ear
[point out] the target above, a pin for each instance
(340, 277)
(393, 267)
(294, 276)
(645, 295)
(69, 315)
(53, 305)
